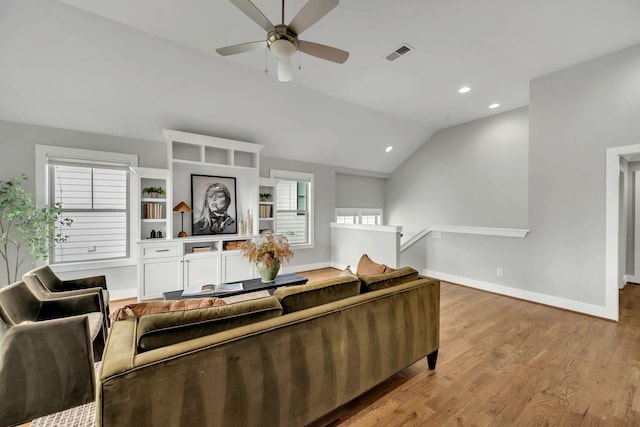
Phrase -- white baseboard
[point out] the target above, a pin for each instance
(567, 304)
(630, 278)
(123, 294)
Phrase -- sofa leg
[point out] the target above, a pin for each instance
(431, 360)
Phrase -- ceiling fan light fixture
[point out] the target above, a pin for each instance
(282, 48)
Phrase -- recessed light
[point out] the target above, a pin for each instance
(464, 89)
(389, 148)
(494, 105)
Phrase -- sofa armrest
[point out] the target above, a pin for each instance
(85, 282)
(120, 350)
(49, 367)
(53, 308)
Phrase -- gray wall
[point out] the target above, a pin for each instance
(17, 156)
(357, 191)
(324, 178)
(574, 116)
(472, 174)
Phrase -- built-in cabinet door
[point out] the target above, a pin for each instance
(235, 267)
(202, 270)
(161, 275)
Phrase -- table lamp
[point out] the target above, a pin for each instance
(182, 207)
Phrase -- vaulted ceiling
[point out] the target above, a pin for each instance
(135, 66)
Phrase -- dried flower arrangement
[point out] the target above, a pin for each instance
(267, 248)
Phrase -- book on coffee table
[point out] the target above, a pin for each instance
(204, 290)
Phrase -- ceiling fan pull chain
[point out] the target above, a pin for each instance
(299, 62)
(266, 61)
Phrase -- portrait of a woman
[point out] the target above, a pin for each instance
(217, 213)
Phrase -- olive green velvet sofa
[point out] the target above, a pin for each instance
(284, 360)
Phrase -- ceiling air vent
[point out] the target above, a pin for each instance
(402, 50)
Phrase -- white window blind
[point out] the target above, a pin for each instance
(96, 198)
(368, 216)
(293, 205)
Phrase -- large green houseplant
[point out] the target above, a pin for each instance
(23, 224)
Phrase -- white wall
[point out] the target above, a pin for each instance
(350, 241)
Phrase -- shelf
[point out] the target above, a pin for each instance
(267, 219)
(267, 203)
(217, 165)
(154, 220)
(151, 199)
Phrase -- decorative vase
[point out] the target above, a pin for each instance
(268, 274)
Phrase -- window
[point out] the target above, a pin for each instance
(95, 198)
(368, 216)
(93, 188)
(293, 204)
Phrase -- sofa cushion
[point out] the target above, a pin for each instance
(367, 267)
(386, 280)
(161, 329)
(300, 297)
(150, 307)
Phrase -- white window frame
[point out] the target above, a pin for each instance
(90, 156)
(303, 177)
(358, 213)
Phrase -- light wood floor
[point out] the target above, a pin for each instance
(506, 362)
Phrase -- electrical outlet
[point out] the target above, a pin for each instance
(91, 249)
(499, 272)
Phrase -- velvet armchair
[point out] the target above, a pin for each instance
(46, 352)
(44, 281)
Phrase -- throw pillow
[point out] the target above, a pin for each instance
(346, 272)
(142, 308)
(367, 267)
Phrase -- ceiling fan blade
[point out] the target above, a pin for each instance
(241, 48)
(323, 51)
(311, 13)
(284, 70)
(254, 13)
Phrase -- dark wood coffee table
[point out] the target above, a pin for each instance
(250, 285)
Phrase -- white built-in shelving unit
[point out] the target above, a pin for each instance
(173, 262)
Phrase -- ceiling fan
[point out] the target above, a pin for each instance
(282, 40)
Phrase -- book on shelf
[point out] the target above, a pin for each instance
(265, 211)
(153, 210)
(211, 289)
(197, 249)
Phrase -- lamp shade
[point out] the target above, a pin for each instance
(182, 207)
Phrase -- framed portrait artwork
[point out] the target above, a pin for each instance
(213, 199)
